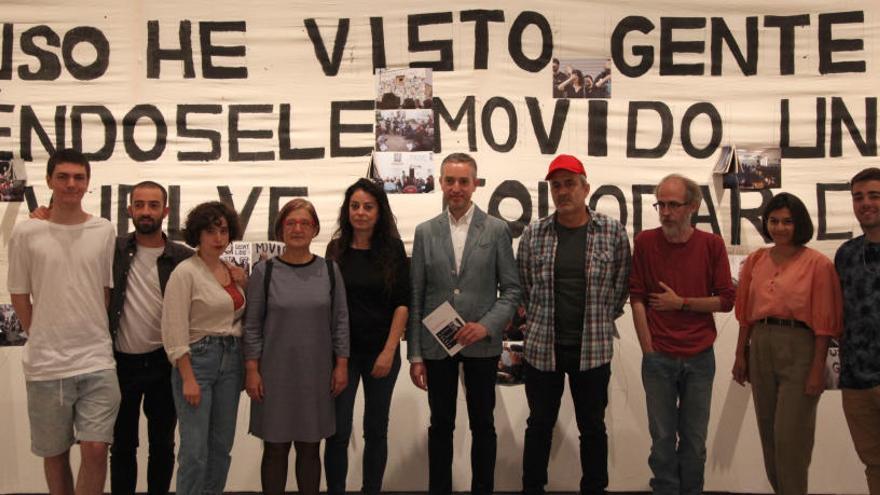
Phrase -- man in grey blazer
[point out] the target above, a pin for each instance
(465, 257)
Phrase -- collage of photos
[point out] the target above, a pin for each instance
(582, 78)
(403, 153)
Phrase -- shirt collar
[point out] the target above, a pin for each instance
(465, 219)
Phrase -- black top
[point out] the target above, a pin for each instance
(569, 284)
(370, 305)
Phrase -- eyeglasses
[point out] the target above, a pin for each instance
(304, 224)
(672, 205)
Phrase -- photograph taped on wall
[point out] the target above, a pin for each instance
(403, 88)
(582, 78)
(11, 332)
(405, 173)
(13, 180)
(405, 130)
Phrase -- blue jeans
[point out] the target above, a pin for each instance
(207, 431)
(678, 393)
(377, 403)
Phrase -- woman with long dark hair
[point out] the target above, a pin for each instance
(373, 262)
(789, 305)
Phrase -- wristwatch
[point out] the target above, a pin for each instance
(684, 305)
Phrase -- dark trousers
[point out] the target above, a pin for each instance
(589, 392)
(479, 383)
(377, 403)
(144, 377)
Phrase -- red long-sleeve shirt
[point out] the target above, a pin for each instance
(696, 268)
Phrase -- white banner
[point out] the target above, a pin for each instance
(256, 102)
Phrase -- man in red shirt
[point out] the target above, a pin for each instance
(680, 276)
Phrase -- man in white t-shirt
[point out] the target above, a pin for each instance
(60, 275)
(142, 265)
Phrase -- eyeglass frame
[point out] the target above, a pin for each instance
(671, 205)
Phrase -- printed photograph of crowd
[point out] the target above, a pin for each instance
(759, 168)
(12, 185)
(582, 78)
(403, 89)
(404, 130)
(10, 327)
(403, 173)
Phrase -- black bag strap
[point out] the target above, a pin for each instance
(267, 279)
(331, 271)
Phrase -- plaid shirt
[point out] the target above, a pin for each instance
(606, 266)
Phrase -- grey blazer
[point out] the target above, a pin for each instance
(487, 267)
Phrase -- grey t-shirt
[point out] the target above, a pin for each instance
(569, 284)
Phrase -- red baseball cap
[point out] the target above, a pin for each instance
(566, 162)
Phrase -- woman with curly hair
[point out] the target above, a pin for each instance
(201, 331)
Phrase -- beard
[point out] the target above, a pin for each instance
(143, 227)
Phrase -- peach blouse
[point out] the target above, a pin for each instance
(804, 288)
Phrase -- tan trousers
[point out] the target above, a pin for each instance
(779, 362)
(862, 410)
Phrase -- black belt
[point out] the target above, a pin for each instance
(784, 323)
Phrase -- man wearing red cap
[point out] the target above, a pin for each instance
(680, 277)
(574, 267)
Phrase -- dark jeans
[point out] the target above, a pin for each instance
(589, 392)
(479, 382)
(144, 377)
(377, 403)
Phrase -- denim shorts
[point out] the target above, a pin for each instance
(78, 408)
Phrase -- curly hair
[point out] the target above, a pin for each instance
(209, 214)
(382, 245)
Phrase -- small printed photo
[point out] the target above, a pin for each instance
(11, 332)
(405, 173)
(403, 89)
(447, 333)
(12, 181)
(263, 250)
(238, 253)
(404, 130)
(582, 78)
(510, 365)
(759, 168)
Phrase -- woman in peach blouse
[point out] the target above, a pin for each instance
(789, 305)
